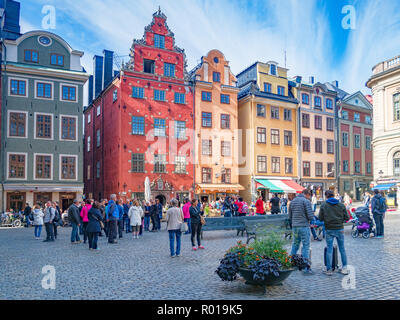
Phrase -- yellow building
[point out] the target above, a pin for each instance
(216, 126)
(268, 149)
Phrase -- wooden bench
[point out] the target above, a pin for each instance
(273, 224)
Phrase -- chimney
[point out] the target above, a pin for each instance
(107, 67)
(336, 83)
(10, 27)
(312, 80)
(90, 94)
(298, 79)
(97, 75)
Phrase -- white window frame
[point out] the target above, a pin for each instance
(26, 166)
(34, 166)
(26, 87)
(88, 143)
(98, 141)
(60, 166)
(76, 92)
(98, 110)
(52, 90)
(89, 118)
(26, 124)
(76, 127)
(52, 125)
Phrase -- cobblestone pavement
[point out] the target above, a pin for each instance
(143, 269)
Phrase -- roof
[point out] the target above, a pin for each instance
(251, 88)
(341, 94)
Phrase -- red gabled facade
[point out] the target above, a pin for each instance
(140, 112)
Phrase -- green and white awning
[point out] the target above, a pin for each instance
(279, 186)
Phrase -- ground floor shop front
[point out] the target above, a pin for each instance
(390, 186)
(318, 186)
(268, 186)
(213, 192)
(354, 186)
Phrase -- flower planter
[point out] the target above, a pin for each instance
(269, 280)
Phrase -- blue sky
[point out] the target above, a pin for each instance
(310, 31)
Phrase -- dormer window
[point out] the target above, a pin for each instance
(57, 60)
(31, 56)
(317, 102)
(272, 69)
(159, 41)
(148, 66)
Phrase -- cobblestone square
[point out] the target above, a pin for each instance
(142, 269)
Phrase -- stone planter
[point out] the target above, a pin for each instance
(269, 280)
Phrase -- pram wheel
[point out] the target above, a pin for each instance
(365, 234)
(354, 233)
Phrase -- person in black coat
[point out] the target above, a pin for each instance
(275, 204)
(94, 228)
(196, 225)
(153, 216)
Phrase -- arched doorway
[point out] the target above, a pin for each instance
(162, 199)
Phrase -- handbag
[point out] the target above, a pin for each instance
(184, 227)
(202, 220)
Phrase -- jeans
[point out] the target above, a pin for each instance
(319, 224)
(284, 209)
(196, 231)
(228, 214)
(112, 230)
(127, 223)
(81, 229)
(28, 222)
(158, 223)
(85, 234)
(330, 236)
(379, 224)
(75, 232)
(314, 207)
(93, 237)
(189, 225)
(49, 231)
(146, 223)
(38, 231)
(55, 229)
(172, 235)
(120, 227)
(301, 234)
(154, 222)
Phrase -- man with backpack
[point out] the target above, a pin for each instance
(27, 214)
(48, 219)
(378, 208)
(112, 215)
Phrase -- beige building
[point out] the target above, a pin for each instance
(385, 86)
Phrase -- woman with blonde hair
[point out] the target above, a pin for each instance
(175, 219)
(135, 215)
(37, 221)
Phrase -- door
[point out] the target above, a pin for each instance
(16, 201)
(66, 200)
(41, 198)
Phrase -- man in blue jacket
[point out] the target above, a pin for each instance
(112, 216)
(159, 209)
(120, 218)
(378, 208)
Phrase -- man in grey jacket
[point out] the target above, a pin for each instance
(49, 215)
(300, 216)
(75, 220)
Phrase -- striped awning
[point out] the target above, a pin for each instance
(385, 186)
(279, 186)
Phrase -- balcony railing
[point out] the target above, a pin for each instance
(386, 65)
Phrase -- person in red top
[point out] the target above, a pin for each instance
(260, 206)
(239, 203)
(85, 220)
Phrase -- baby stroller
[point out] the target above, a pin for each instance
(363, 224)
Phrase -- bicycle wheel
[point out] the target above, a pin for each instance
(17, 223)
(354, 233)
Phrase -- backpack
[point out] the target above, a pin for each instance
(382, 205)
(245, 208)
(57, 216)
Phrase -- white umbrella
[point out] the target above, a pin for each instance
(147, 191)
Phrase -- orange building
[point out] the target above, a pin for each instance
(216, 125)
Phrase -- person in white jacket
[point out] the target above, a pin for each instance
(37, 221)
(135, 214)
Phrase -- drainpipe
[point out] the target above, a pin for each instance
(3, 100)
(299, 140)
(337, 138)
(194, 137)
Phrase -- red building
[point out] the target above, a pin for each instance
(141, 124)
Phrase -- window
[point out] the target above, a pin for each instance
(345, 165)
(329, 124)
(226, 176)
(261, 110)
(179, 98)
(368, 120)
(317, 102)
(43, 167)
(331, 173)
(98, 111)
(305, 120)
(306, 144)
(160, 163)
(357, 167)
(329, 104)
(206, 147)
(368, 142)
(281, 90)
(318, 122)
(225, 98)
(206, 175)
(44, 126)
(206, 96)
(88, 144)
(267, 87)
(288, 138)
(318, 145)
(137, 92)
(261, 135)
(345, 139)
(345, 115)
(356, 117)
(369, 167)
(396, 164)
(159, 41)
(276, 164)
(318, 169)
(148, 66)
(287, 114)
(89, 118)
(330, 146)
(31, 56)
(274, 112)
(159, 95)
(206, 119)
(43, 90)
(18, 87)
(98, 138)
(88, 172)
(16, 167)
(17, 125)
(115, 95)
(225, 148)
(169, 70)
(180, 164)
(272, 69)
(288, 165)
(98, 169)
(68, 93)
(216, 77)
(306, 169)
(159, 127)
(262, 164)
(357, 141)
(225, 121)
(180, 130)
(137, 162)
(68, 167)
(138, 125)
(275, 136)
(346, 185)
(57, 60)
(396, 107)
(305, 98)
(68, 128)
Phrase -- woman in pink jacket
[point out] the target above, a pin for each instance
(186, 215)
(85, 220)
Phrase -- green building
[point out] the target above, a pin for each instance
(41, 121)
